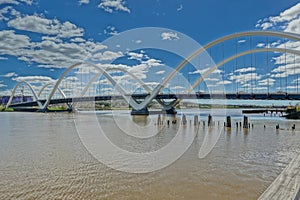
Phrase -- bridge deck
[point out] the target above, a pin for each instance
(230, 96)
(287, 184)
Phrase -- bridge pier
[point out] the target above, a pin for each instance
(143, 111)
(170, 111)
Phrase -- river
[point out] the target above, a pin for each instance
(43, 157)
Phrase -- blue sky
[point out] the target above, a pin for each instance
(39, 39)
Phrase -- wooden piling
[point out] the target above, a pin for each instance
(195, 120)
(209, 120)
(245, 122)
(228, 122)
(184, 121)
(159, 120)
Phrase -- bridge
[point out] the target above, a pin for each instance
(243, 96)
(89, 91)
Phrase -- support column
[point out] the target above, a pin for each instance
(171, 111)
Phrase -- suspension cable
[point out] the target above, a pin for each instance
(251, 63)
(236, 64)
(268, 81)
(286, 75)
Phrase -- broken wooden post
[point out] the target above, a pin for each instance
(195, 120)
(209, 120)
(228, 122)
(245, 123)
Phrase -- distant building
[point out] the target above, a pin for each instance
(17, 99)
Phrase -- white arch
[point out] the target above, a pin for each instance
(229, 37)
(206, 74)
(15, 89)
(142, 83)
(153, 94)
(209, 45)
(115, 69)
(127, 97)
(46, 85)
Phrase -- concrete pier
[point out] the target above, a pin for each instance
(287, 184)
(171, 111)
(144, 111)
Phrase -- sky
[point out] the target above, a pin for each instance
(40, 39)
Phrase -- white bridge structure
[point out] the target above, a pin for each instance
(140, 106)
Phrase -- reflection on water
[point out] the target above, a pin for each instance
(141, 120)
(42, 157)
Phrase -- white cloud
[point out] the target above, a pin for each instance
(29, 2)
(287, 15)
(84, 2)
(203, 71)
(225, 82)
(293, 26)
(177, 87)
(152, 62)
(79, 40)
(287, 64)
(34, 79)
(241, 41)
(135, 56)
(212, 79)
(281, 73)
(152, 84)
(9, 75)
(265, 82)
(261, 45)
(113, 5)
(259, 89)
(54, 39)
(180, 7)
(266, 25)
(38, 24)
(111, 30)
(291, 87)
(11, 43)
(107, 55)
(2, 85)
(245, 78)
(8, 12)
(160, 72)
(169, 36)
(288, 20)
(244, 70)
(9, 2)
(52, 53)
(141, 57)
(276, 43)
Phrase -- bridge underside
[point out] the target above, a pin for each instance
(160, 97)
